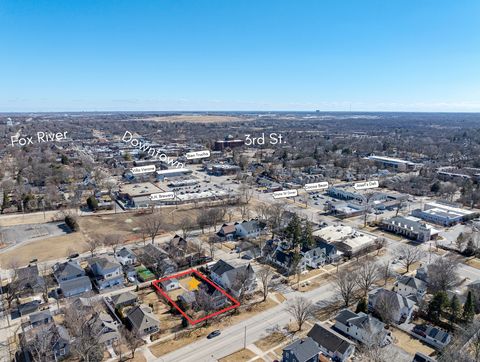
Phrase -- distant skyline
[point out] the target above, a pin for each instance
(239, 55)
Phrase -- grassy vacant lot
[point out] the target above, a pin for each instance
(45, 249)
(242, 355)
(270, 341)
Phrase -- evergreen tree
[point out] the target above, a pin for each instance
(293, 231)
(437, 305)
(455, 309)
(92, 203)
(469, 308)
(362, 306)
(307, 234)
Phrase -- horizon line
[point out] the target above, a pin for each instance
(232, 111)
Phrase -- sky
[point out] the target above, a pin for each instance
(219, 55)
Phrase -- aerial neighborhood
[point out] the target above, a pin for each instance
(336, 245)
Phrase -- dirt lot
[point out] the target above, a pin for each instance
(46, 249)
(242, 355)
(409, 344)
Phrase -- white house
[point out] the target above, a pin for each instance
(410, 287)
(249, 229)
(314, 258)
(170, 284)
(126, 257)
(363, 328)
(390, 305)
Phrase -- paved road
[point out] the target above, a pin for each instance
(232, 338)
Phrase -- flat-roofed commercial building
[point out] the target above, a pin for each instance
(223, 169)
(173, 172)
(348, 240)
(410, 227)
(444, 214)
(348, 192)
(395, 163)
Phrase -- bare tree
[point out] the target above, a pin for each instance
(114, 241)
(85, 328)
(442, 274)
(367, 275)
(385, 308)
(152, 225)
(212, 241)
(132, 340)
(346, 284)
(241, 282)
(93, 245)
(301, 309)
(40, 346)
(215, 216)
(409, 255)
(275, 217)
(187, 226)
(203, 221)
(265, 275)
(384, 271)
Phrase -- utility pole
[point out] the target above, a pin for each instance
(245, 338)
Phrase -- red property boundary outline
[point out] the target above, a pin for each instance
(196, 272)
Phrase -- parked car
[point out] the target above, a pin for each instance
(214, 334)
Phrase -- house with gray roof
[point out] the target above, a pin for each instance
(301, 350)
(71, 278)
(124, 299)
(125, 256)
(237, 280)
(410, 287)
(141, 319)
(390, 305)
(39, 318)
(331, 343)
(106, 328)
(30, 280)
(363, 328)
(107, 273)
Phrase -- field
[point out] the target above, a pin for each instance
(46, 249)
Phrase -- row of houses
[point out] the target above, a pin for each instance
(350, 329)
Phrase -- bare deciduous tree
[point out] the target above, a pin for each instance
(367, 275)
(114, 241)
(93, 245)
(301, 309)
(187, 226)
(152, 224)
(442, 274)
(265, 275)
(409, 255)
(346, 284)
(132, 340)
